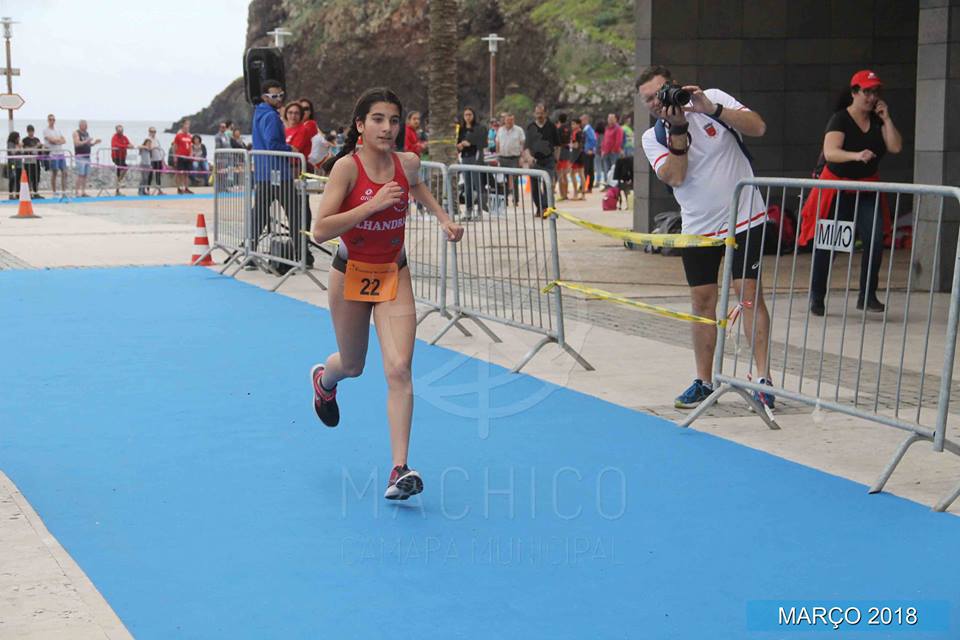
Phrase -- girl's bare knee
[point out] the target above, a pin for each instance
(352, 369)
(398, 375)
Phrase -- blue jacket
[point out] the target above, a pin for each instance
(589, 139)
(269, 135)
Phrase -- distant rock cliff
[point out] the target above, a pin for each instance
(573, 54)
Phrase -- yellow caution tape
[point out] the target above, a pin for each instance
(643, 306)
(669, 240)
(314, 176)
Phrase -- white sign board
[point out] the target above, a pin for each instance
(837, 235)
(11, 101)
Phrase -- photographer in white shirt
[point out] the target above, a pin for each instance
(700, 155)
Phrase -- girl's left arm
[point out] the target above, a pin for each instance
(421, 193)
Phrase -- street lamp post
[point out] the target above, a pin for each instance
(492, 40)
(278, 36)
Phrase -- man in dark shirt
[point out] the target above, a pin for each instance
(542, 149)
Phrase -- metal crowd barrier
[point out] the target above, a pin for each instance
(498, 273)
(277, 215)
(508, 254)
(37, 164)
(106, 175)
(883, 366)
(231, 202)
(426, 246)
(103, 177)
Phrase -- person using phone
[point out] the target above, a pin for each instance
(858, 135)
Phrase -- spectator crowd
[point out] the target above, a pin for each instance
(585, 156)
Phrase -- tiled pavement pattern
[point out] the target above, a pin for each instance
(633, 322)
(10, 261)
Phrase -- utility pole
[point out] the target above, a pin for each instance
(8, 70)
(492, 41)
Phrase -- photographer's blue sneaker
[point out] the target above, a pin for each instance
(766, 399)
(694, 395)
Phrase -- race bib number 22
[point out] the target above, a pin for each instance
(369, 282)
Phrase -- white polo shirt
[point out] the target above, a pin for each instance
(511, 141)
(715, 164)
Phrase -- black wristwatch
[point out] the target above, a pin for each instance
(716, 114)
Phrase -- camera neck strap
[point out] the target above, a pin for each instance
(660, 129)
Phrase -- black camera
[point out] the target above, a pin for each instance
(673, 95)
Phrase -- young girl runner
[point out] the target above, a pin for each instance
(365, 203)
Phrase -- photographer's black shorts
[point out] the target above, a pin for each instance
(702, 264)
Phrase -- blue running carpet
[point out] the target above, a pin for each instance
(160, 422)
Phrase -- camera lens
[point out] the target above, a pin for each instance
(680, 97)
(672, 95)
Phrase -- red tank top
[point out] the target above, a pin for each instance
(379, 238)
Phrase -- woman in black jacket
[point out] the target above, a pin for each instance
(14, 164)
(471, 139)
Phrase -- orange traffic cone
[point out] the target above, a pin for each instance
(25, 210)
(201, 245)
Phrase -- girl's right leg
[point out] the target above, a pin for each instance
(351, 323)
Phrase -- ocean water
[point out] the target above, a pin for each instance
(135, 130)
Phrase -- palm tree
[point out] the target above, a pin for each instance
(442, 93)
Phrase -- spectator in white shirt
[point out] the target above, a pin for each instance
(509, 142)
(53, 140)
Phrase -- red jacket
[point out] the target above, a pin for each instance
(411, 142)
(612, 140)
(810, 213)
(119, 144)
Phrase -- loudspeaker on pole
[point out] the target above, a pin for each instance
(259, 64)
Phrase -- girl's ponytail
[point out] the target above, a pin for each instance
(350, 142)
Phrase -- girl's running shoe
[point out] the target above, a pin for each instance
(404, 482)
(324, 402)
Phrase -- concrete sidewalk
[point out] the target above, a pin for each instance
(642, 362)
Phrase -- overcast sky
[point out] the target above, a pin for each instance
(123, 60)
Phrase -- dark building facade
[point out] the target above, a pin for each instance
(788, 60)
